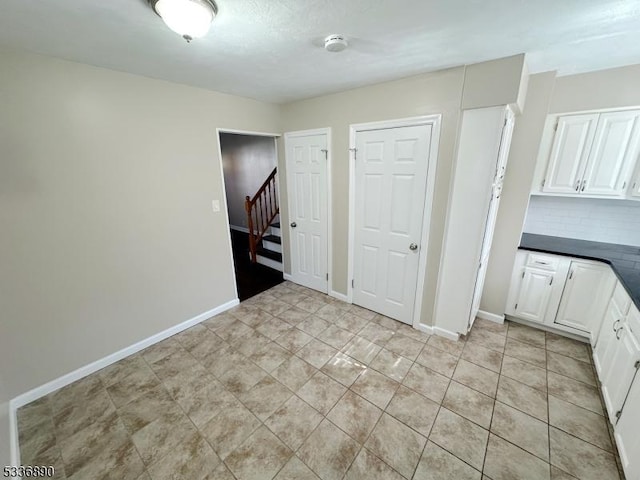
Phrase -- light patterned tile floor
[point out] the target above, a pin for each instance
(293, 384)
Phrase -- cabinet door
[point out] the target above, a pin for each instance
(569, 153)
(613, 154)
(533, 296)
(617, 381)
(605, 346)
(634, 190)
(626, 433)
(581, 293)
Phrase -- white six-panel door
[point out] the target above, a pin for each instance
(390, 186)
(306, 159)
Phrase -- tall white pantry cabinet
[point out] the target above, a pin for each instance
(483, 150)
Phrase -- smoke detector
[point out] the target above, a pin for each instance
(335, 43)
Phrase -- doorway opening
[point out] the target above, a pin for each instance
(249, 165)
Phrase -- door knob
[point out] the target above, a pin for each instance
(413, 246)
(294, 224)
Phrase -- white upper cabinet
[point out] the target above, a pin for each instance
(594, 155)
(571, 146)
(634, 189)
(613, 154)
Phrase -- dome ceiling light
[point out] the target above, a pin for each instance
(188, 18)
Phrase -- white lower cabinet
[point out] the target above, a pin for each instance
(532, 300)
(625, 358)
(561, 292)
(626, 433)
(581, 307)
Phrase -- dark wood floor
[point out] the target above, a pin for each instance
(251, 278)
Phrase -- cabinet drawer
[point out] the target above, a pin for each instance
(543, 262)
(621, 298)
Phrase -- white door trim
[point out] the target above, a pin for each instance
(286, 252)
(224, 187)
(434, 121)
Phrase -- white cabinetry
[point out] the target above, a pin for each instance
(483, 150)
(626, 433)
(571, 146)
(580, 306)
(561, 292)
(605, 346)
(593, 154)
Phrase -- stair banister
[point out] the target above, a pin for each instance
(262, 210)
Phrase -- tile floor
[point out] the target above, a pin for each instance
(293, 384)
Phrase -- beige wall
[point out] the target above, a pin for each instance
(434, 93)
(616, 87)
(515, 194)
(106, 183)
(493, 83)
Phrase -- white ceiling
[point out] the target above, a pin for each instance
(271, 49)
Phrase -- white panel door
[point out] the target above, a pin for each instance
(306, 157)
(571, 146)
(533, 297)
(581, 294)
(390, 188)
(613, 154)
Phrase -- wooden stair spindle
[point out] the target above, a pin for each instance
(262, 210)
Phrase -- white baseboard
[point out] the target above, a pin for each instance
(339, 296)
(287, 276)
(428, 329)
(14, 438)
(63, 381)
(446, 334)
(492, 317)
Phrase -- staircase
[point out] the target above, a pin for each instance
(265, 242)
(270, 253)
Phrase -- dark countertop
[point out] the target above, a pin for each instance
(624, 259)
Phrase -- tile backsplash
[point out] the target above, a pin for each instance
(598, 220)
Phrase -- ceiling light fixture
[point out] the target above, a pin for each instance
(188, 18)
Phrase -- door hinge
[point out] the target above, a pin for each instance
(352, 283)
(543, 181)
(618, 413)
(327, 277)
(637, 364)
(326, 153)
(516, 307)
(355, 152)
(571, 275)
(551, 282)
(624, 185)
(555, 128)
(523, 274)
